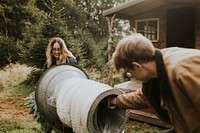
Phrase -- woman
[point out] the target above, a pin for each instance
(57, 53)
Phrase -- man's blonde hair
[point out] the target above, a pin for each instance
(134, 47)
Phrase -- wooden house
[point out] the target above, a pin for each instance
(166, 23)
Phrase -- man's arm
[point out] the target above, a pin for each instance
(132, 100)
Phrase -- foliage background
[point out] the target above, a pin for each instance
(27, 25)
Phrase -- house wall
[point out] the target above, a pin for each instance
(197, 27)
(158, 13)
(161, 13)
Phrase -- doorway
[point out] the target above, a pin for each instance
(181, 27)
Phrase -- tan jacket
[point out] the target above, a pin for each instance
(183, 71)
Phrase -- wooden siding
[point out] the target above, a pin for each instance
(157, 13)
(161, 13)
(197, 28)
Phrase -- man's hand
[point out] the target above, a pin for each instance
(112, 102)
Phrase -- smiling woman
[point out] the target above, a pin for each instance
(58, 53)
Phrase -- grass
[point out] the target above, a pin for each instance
(140, 127)
(14, 117)
(13, 74)
(18, 126)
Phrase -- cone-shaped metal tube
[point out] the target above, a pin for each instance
(65, 94)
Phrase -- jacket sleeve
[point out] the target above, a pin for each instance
(72, 60)
(132, 100)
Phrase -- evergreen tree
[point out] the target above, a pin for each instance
(31, 23)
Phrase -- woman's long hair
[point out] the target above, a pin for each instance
(65, 53)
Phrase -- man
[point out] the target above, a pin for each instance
(171, 81)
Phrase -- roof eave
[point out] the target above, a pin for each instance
(134, 7)
(113, 10)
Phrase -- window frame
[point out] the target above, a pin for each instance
(150, 31)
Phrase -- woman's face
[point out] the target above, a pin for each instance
(56, 50)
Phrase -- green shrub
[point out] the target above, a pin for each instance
(33, 77)
(8, 50)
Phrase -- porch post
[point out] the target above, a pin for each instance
(110, 20)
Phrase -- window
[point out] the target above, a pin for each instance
(149, 28)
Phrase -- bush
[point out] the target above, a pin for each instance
(9, 50)
(33, 77)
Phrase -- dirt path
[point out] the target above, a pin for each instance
(12, 107)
